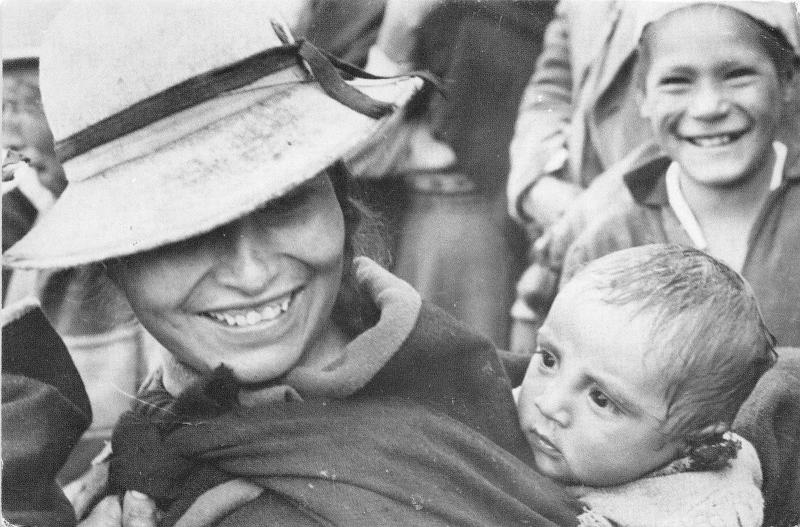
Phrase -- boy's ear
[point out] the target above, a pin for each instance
(641, 102)
(790, 86)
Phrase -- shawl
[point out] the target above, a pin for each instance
(675, 496)
(428, 436)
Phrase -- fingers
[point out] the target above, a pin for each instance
(107, 513)
(138, 510)
(86, 489)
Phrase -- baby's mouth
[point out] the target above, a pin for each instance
(709, 141)
(255, 315)
(543, 443)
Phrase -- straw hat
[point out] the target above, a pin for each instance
(175, 117)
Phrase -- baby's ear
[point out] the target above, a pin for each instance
(712, 447)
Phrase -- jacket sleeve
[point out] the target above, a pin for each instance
(540, 137)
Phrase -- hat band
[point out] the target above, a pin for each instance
(214, 83)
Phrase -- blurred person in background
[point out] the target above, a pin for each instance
(111, 352)
(454, 242)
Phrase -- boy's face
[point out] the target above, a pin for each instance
(592, 401)
(713, 95)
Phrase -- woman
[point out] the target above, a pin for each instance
(300, 386)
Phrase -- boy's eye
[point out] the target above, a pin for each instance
(674, 81)
(738, 73)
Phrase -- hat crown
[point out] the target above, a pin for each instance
(101, 56)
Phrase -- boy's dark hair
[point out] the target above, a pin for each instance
(712, 340)
(772, 40)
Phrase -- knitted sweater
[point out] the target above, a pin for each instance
(674, 497)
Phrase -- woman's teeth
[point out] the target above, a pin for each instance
(253, 317)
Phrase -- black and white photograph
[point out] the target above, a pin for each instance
(480, 263)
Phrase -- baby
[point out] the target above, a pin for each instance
(641, 366)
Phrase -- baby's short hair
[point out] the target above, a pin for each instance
(708, 327)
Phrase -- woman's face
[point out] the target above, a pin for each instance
(255, 295)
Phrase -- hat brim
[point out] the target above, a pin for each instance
(205, 179)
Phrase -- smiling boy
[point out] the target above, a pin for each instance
(715, 81)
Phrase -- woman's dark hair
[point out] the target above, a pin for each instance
(354, 311)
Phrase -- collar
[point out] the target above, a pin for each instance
(646, 182)
(683, 212)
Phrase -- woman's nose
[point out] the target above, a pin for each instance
(709, 102)
(553, 404)
(245, 264)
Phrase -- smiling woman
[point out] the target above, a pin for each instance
(254, 295)
(302, 383)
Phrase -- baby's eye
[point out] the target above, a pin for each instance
(601, 400)
(546, 359)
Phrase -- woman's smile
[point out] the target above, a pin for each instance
(256, 314)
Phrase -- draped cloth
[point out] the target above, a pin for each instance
(358, 462)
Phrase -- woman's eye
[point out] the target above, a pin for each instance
(288, 203)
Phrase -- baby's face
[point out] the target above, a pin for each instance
(592, 402)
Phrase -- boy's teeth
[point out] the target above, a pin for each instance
(717, 140)
(253, 317)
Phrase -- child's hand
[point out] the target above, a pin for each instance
(548, 199)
